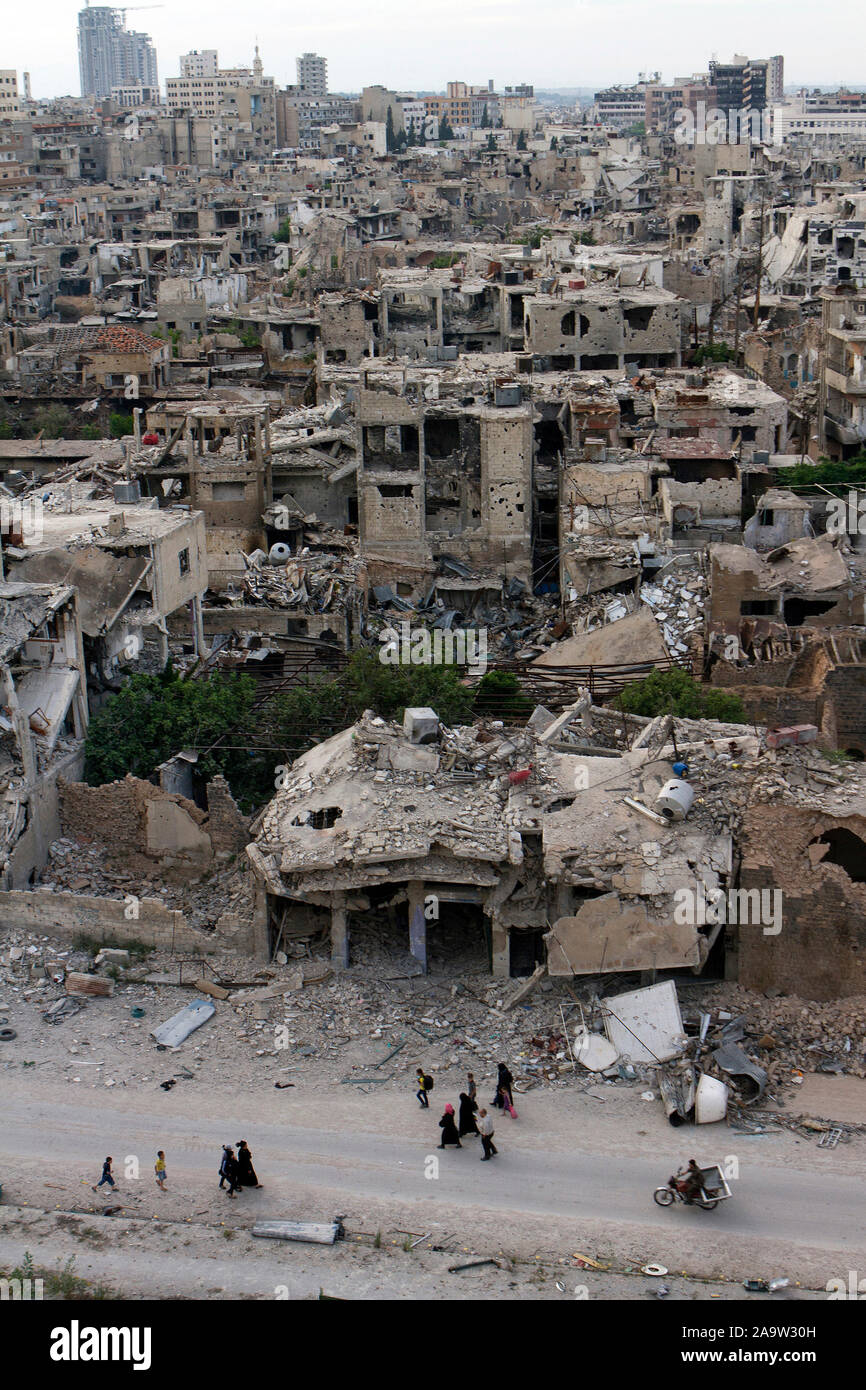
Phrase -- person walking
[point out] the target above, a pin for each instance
(229, 1170)
(505, 1103)
(504, 1080)
(466, 1117)
(106, 1176)
(425, 1084)
(159, 1170)
(485, 1129)
(246, 1171)
(471, 1088)
(449, 1128)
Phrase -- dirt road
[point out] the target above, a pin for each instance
(568, 1178)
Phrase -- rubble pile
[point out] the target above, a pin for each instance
(312, 583)
(90, 870)
(788, 1036)
(677, 599)
(729, 780)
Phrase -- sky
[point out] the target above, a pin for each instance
(551, 43)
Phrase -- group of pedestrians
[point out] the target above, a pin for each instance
(107, 1178)
(457, 1127)
(237, 1169)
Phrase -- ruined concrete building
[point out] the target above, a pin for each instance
(44, 718)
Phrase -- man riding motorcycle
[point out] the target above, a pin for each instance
(689, 1182)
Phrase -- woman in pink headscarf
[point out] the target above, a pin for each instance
(449, 1128)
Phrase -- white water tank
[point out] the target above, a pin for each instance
(279, 553)
(675, 799)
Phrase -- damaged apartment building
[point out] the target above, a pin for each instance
(132, 565)
(383, 821)
(570, 847)
(43, 721)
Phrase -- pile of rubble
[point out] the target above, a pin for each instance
(729, 780)
(90, 870)
(788, 1036)
(677, 598)
(318, 583)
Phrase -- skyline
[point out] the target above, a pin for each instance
(613, 41)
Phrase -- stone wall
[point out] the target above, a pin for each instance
(820, 952)
(135, 817)
(105, 919)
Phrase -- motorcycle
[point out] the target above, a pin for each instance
(713, 1189)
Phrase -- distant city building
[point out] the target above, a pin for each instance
(620, 107)
(110, 55)
(135, 94)
(199, 64)
(9, 103)
(748, 83)
(312, 74)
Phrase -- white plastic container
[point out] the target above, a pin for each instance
(675, 799)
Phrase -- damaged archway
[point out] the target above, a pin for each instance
(843, 847)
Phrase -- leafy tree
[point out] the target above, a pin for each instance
(51, 420)
(676, 692)
(445, 129)
(250, 338)
(639, 128)
(154, 717)
(491, 143)
(586, 238)
(485, 119)
(284, 232)
(91, 432)
(521, 140)
(841, 473)
(120, 424)
(713, 352)
(499, 694)
(389, 132)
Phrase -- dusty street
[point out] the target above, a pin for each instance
(568, 1180)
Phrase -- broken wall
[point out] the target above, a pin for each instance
(820, 952)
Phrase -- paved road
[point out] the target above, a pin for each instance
(785, 1204)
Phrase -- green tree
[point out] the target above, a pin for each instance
(500, 695)
(284, 232)
(389, 131)
(676, 692)
(521, 140)
(250, 338)
(91, 432)
(485, 119)
(51, 420)
(828, 473)
(120, 424)
(554, 143)
(491, 143)
(445, 129)
(154, 717)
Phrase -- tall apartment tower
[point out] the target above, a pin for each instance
(776, 78)
(313, 74)
(110, 55)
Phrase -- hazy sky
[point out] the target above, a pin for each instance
(553, 43)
